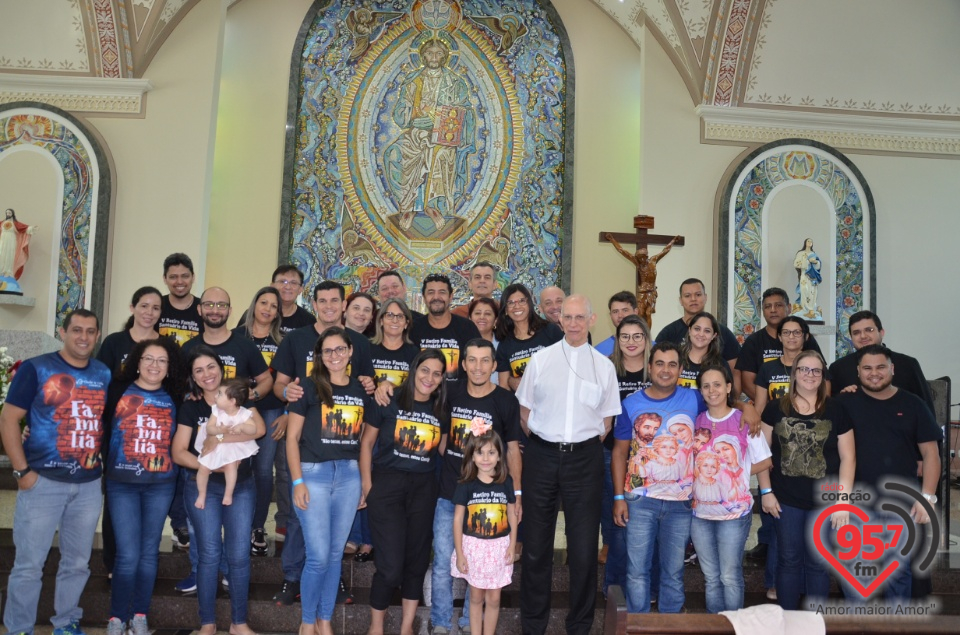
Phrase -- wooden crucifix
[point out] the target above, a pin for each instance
(646, 266)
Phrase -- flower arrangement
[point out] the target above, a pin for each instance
(8, 366)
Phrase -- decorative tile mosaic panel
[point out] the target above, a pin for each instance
(430, 134)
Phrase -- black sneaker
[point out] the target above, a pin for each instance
(258, 543)
(181, 538)
(344, 596)
(288, 593)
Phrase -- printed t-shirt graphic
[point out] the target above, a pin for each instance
(660, 431)
(331, 433)
(408, 439)
(181, 324)
(392, 366)
(513, 355)
(144, 426)
(774, 377)
(450, 340)
(725, 453)
(64, 408)
(486, 508)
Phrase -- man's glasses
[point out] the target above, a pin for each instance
(215, 305)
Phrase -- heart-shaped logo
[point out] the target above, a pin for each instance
(826, 552)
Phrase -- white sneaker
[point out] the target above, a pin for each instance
(115, 627)
(138, 625)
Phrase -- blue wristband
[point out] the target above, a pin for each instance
(284, 393)
(618, 497)
(764, 492)
(299, 481)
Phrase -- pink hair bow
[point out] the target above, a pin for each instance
(479, 425)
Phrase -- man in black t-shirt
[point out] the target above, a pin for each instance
(764, 345)
(865, 330)
(240, 356)
(891, 426)
(441, 329)
(288, 281)
(693, 299)
(179, 310)
(474, 395)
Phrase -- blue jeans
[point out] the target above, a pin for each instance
(767, 535)
(263, 468)
(441, 603)
(294, 553)
(334, 488)
(614, 536)
(74, 509)
(719, 545)
(665, 524)
(138, 511)
(218, 528)
(798, 564)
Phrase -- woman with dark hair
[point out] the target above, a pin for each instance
(483, 313)
(358, 314)
(323, 447)
(262, 325)
(724, 457)
(142, 325)
(141, 477)
(700, 348)
(400, 486)
(811, 438)
(773, 378)
(631, 353)
(521, 333)
(218, 529)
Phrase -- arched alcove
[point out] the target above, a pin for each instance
(845, 222)
(80, 223)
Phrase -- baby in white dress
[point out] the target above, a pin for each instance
(228, 417)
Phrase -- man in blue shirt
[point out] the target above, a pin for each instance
(58, 470)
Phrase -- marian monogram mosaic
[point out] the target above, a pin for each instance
(430, 134)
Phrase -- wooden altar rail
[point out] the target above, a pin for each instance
(619, 622)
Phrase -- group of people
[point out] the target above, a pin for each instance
(438, 421)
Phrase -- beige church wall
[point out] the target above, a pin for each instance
(917, 231)
(248, 163)
(162, 162)
(31, 183)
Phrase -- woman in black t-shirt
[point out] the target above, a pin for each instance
(323, 447)
(700, 348)
(400, 485)
(218, 529)
(142, 325)
(261, 324)
(811, 439)
(521, 333)
(793, 333)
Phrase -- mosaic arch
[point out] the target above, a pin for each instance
(741, 231)
(425, 135)
(85, 213)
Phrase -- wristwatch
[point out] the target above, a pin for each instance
(256, 395)
(931, 498)
(19, 474)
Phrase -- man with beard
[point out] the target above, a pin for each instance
(474, 395)
(442, 329)
(655, 515)
(240, 356)
(891, 426)
(179, 310)
(294, 363)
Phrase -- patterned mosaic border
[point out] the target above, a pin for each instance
(741, 222)
(84, 220)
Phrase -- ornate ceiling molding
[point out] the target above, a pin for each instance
(749, 126)
(77, 94)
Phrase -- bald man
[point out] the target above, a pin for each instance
(240, 356)
(551, 302)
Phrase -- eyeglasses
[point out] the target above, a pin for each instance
(155, 361)
(339, 351)
(517, 302)
(791, 333)
(394, 317)
(287, 283)
(869, 330)
(636, 337)
(215, 305)
(806, 370)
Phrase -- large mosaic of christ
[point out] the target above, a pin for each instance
(430, 135)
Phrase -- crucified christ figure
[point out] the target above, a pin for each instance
(646, 275)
